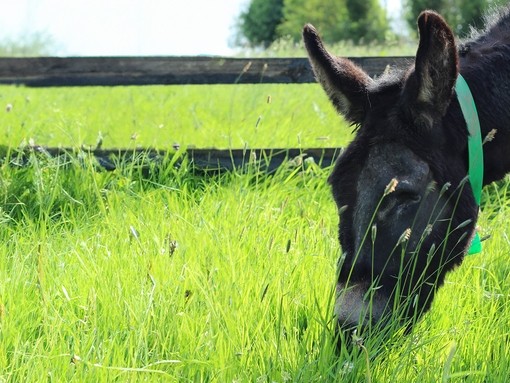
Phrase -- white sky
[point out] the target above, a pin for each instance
(128, 27)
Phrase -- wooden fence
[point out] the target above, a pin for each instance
(110, 71)
(113, 71)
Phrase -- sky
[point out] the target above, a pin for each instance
(128, 27)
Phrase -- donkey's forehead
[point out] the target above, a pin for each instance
(376, 163)
(392, 156)
(391, 161)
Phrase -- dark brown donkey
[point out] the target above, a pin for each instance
(407, 211)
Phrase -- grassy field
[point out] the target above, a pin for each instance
(111, 276)
(222, 116)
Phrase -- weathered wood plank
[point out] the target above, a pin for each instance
(110, 71)
(266, 159)
(216, 160)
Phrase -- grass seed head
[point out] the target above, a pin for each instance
(404, 237)
(427, 230)
(374, 231)
(390, 188)
(490, 136)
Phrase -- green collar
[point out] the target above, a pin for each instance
(468, 107)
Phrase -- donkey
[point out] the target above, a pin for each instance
(406, 206)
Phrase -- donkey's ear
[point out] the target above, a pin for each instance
(344, 82)
(436, 67)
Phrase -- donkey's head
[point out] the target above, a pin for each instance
(407, 213)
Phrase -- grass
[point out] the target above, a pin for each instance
(129, 276)
(110, 276)
(222, 116)
(286, 47)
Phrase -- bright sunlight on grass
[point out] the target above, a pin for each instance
(179, 277)
(222, 116)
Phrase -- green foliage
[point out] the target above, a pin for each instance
(367, 21)
(258, 23)
(345, 20)
(32, 45)
(460, 14)
(327, 15)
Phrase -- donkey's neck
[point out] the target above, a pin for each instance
(489, 80)
(485, 64)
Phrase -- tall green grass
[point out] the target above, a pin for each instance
(107, 276)
(112, 276)
(187, 279)
(222, 116)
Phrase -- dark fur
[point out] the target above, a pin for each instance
(410, 127)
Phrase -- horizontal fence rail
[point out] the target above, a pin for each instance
(112, 71)
(206, 160)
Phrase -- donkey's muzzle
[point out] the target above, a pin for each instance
(358, 304)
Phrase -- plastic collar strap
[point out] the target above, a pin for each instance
(468, 107)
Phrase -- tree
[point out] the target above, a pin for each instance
(337, 20)
(460, 14)
(323, 14)
(258, 23)
(367, 20)
(34, 44)
(264, 21)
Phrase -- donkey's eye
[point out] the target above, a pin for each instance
(398, 202)
(408, 197)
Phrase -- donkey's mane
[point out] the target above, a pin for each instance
(483, 45)
(493, 39)
(496, 21)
